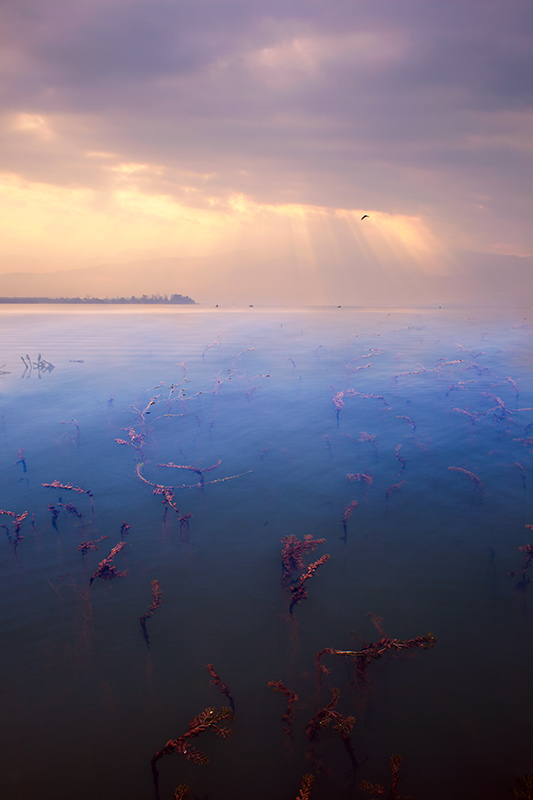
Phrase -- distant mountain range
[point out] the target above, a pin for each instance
(477, 279)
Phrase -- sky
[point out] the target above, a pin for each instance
(133, 130)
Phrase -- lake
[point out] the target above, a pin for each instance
(402, 437)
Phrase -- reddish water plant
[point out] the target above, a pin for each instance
(70, 488)
(299, 592)
(217, 681)
(106, 570)
(324, 718)
(84, 547)
(306, 786)
(207, 720)
(347, 513)
(521, 574)
(291, 697)
(157, 596)
(376, 790)
(371, 651)
(292, 554)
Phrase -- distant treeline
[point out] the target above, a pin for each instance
(174, 299)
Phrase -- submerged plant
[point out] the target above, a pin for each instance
(291, 697)
(522, 574)
(157, 596)
(305, 788)
(299, 592)
(376, 790)
(371, 651)
(324, 718)
(292, 554)
(217, 681)
(208, 720)
(68, 487)
(106, 570)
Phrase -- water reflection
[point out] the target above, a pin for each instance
(397, 444)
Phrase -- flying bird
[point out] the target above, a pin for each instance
(364, 217)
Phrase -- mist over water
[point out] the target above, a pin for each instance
(289, 402)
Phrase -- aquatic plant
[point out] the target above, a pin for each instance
(401, 459)
(299, 592)
(106, 569)
(476, 482)
(371, 651)
(217, 681)
(523, 788)
(76, 426)
(157, 596)
(376, 790)
(124, 528)
(207, 720)
(198, 470)
(305, 788)
(292, 554)
(394, 489)
(16, 521)
(408, 420)
(71, 509)
(347, 513)
(524, 579)
(291, 697)
(21, 460)
(55, 513)
(135, 440)
(68, 487)
(91, 544)
(325, 717)
(181, 792)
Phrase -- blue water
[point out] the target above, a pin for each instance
(85, 702)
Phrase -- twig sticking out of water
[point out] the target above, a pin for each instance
(291, 697)
(157, 596)
(217, 681)
(299, 592)
(292, 554)
(209, 719)
(106, 569)
(377, 790)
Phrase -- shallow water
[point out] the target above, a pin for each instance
(86, 703)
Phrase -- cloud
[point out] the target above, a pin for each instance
(415, 109)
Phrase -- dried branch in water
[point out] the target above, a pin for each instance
(291, 697)
(217, 681)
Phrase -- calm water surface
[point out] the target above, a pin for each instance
(282, 405)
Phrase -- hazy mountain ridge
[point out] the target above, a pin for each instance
(242, 277)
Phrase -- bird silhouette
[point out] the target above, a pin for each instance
(364, 217)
